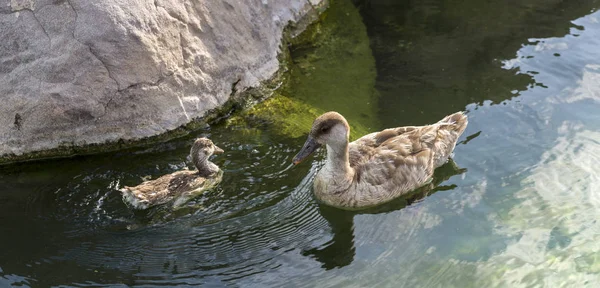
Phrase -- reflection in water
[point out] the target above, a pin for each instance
(547, 215)
(448, 52)
(339, 251)
(555, 221)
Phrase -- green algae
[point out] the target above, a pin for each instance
(282, 115)
(331, 68)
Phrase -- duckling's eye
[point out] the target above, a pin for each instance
(324, 129)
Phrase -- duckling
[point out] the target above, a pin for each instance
(380, 166)
(181, 185)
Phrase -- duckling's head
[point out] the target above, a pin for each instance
(330, 129)
(201, 150)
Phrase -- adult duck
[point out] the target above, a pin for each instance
(181, 185)
(380, 166)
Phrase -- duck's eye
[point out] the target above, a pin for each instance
(324, 129)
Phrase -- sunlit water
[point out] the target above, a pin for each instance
(519, 210)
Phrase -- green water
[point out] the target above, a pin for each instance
(519, 209)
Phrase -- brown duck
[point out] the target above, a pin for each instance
(380, 166)
(181, 185)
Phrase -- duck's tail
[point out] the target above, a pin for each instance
(456, 122)
(132, 199)
(450, 128)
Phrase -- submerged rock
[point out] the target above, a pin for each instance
(77, 73)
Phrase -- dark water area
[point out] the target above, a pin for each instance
(517, 206)
(451, 52)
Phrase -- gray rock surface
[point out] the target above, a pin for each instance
(78, 72)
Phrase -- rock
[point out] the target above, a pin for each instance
(76, 73)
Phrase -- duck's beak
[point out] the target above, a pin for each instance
(309, 147)
(218, 150)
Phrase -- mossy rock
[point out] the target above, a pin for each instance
(284, 116)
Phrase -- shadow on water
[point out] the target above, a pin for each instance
(340, 250)
(448, 54)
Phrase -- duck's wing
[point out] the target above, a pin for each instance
(400, 163)
(151, 186)
(148, 193)
(440, 137)
(165, 186)
(405, 157)
(185, 181)
(364, 148)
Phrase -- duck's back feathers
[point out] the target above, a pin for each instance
(365, 147)
(403, 158)
(397, 156)
(166, 188)
(440, 137)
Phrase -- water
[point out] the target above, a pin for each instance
(520, 208)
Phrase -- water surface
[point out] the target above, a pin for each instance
(519, 209)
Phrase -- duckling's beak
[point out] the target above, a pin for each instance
(309, 147)
(218, 150)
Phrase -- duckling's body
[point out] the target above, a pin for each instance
(180, 186)
(379, 166)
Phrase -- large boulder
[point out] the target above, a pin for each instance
(76, 73)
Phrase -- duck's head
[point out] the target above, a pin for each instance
(330, 129)
(202, 149)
